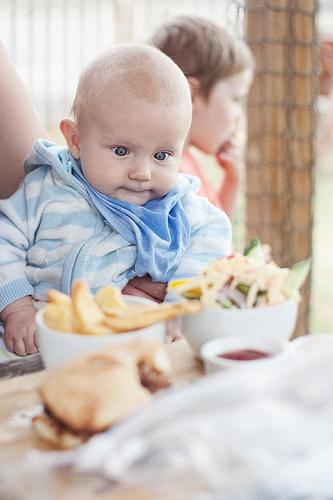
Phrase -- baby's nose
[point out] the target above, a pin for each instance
(140, 172)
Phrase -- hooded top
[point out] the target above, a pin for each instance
(53, 232)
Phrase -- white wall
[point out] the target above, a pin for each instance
(50, 41)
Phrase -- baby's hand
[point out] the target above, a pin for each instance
(19, 319)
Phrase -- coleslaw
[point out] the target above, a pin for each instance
(244, 281)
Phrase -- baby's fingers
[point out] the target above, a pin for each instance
(30, 343)
(19, 347)
(9, 343)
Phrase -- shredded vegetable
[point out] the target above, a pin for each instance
(242, 281)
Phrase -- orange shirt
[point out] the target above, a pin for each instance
(189, 165)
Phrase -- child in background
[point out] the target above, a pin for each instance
(111, 205)
(219, 69)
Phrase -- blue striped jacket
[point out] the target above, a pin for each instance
(51, 235)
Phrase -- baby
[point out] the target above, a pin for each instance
(110, 206)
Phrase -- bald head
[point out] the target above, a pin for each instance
(133, 70)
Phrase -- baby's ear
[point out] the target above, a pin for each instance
(195, 86)
(70, 131)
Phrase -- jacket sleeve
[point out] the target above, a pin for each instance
(17, 218)
(211, 237)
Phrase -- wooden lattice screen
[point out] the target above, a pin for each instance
(281, 130)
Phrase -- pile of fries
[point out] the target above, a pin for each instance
(107, 312)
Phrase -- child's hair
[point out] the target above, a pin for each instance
(202, 50)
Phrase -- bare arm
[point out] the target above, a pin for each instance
(144, 287)
(19, 125)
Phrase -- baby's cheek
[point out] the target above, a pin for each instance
(170, 180)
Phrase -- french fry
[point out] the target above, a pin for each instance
(110, 297)
(85, 309)
(150, 316)
(95, 329)
(107, 312)
(128, 310)
(56, 297)
(59, 317)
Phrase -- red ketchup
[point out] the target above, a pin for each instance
(244, 355)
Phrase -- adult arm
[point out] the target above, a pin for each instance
(19, 125)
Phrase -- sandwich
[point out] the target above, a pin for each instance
(91, 393)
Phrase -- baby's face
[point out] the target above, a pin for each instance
(131, 148)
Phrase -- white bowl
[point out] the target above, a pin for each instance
(274, 322)
(212, 350)
(313, 343)
(56, 346)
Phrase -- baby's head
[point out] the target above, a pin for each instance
(219, 69)
(132, 113)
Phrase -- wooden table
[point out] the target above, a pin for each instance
(21, 366)
(19, 401)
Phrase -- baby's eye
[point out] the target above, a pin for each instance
(161, 155)
(120, 150)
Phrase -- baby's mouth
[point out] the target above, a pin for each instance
(138, 195)
(137, 189)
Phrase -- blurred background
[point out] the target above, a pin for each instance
(50, 41)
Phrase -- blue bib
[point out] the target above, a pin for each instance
(160, 228)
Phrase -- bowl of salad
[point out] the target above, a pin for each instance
(243, 294)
